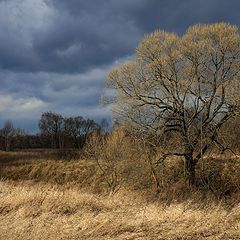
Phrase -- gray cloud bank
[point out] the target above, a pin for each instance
(54, 54)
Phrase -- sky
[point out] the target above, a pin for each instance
(55, 54)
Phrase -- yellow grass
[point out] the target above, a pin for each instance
(45, 211)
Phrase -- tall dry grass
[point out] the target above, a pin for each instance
(106, 165)
(46, 211)
(117, 167)
(65, 195)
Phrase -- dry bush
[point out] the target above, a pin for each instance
(221, 176)
(116, 157)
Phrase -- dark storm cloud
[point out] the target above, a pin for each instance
(148, 15)
(177, 15)
(78, 35)
(24, 96)
(54, 54)
(62, 41)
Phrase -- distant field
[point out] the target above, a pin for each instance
(46, 211)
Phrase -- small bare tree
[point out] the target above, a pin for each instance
(7, 133)
(112, 154)
(180, 87)
(51, 124)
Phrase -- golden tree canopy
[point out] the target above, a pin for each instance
(186, 86)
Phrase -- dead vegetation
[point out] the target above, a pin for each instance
(47, 211)
(118, 164)
(109, 191)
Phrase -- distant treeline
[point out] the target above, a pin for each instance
(55, 131)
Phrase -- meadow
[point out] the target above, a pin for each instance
(48, 211)
(45, 196)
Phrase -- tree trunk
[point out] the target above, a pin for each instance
(190, 168)
(156, 181)
(7, 144)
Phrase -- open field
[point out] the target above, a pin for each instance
(43, 196)
(221, 179)
(46, 211)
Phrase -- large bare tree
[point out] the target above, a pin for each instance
(181, 86)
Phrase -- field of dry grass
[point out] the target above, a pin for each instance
(46, 211)
(44, 196)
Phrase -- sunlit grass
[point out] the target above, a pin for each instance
(47, 211)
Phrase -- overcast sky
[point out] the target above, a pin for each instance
(55, 54)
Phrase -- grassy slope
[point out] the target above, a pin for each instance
(46, 211)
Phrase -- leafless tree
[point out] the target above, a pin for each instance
(180, 87)
(52, 124)
(7, 133)
(79, 129)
